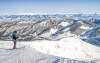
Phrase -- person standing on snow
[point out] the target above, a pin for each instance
(14, 39)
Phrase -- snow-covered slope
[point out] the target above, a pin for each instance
(92, 36)
(69, 48)
(49, 52)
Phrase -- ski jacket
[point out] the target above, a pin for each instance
(14, 36)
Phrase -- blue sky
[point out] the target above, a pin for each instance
(49, 6)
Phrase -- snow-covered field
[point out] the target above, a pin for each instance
(68, 49)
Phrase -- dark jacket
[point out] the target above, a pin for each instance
(14, 36)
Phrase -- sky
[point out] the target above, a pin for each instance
(49, 6)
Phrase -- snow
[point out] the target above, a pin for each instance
(64, 23)
(53, 30)
(40, 51)
(84, 27)
(69, 48)
(24, 55)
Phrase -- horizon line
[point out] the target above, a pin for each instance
(45, 13)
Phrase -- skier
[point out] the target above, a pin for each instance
(14, 39)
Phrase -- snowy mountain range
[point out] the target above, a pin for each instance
(46, 16)
(65, 38)
(51, 27)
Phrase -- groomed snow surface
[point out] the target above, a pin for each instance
(67, 50)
